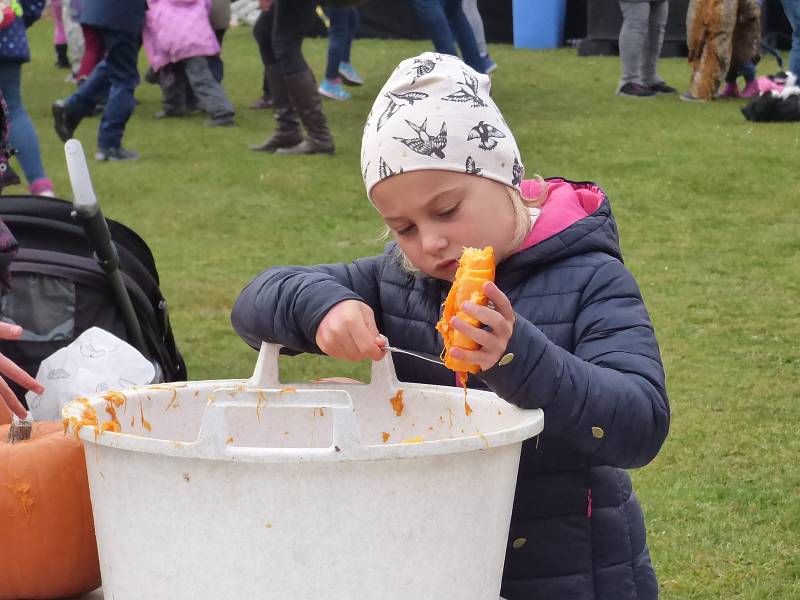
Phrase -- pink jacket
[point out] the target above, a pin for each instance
(177, 29)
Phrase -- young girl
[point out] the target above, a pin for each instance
(443, 170)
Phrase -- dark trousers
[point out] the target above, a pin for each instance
(447, 25)
(344, 22)
(192, 75)
(116, 76)
(279, 33)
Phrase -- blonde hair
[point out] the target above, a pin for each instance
(522, 222)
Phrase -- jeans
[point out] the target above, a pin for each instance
(344, 22)
(21, 134)
(446, 23)
(792, 10)
(117, 75)
(470, 8)
(640, 41)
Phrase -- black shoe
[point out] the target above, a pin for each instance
(62, 60)
(634, 90)
(220, 121)
(64, 126)
(662, 88)
(116, 154)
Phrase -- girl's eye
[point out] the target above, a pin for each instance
(449, 212)
(405, 230)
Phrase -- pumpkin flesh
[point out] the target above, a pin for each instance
(475, 267)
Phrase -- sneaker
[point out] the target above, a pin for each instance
(751, 90)
(262, 103)
(662, 88)
(687, 97)
(489, 66)
(115, 154)
(731, 90)
(225, 120)
(349, 75)
(332, 88)
(64, 126)
(634, 90)
(42, 187)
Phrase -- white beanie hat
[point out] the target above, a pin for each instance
(434, 112)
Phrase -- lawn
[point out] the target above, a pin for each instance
(708, 210)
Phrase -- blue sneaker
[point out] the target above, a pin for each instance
(332, 88)
(349, 75)
(488, 64)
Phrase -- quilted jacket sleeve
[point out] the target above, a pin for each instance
(609, 398)
(286, 304)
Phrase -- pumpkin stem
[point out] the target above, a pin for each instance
(20, 431)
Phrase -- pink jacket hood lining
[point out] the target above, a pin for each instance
(566, 203)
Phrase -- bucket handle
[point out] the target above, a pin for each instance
(266, 373)
(212, 439)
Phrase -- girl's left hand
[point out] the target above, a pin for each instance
(493, 341)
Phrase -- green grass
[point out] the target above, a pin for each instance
(707, 205)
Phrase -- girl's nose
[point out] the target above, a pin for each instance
(433, 243)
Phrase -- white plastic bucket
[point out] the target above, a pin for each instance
(251, 490)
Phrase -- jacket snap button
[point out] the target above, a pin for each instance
(518, 543)
(598, 432)
(507, 358)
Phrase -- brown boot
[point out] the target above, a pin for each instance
(287, 132)
(302, 88)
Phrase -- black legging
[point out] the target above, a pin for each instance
(279, 33)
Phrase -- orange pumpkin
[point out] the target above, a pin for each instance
(475, 267)
(47, 541)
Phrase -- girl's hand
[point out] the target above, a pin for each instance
(349, 331)
(8, 369)
(494, 340)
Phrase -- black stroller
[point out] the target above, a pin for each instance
(62, 284)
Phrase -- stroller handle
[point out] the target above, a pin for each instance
(88, 214)
(85, 201)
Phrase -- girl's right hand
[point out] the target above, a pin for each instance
(349, 331)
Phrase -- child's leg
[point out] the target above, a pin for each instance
(215, 62)
(337, 40)
(21, 134)
(92, 51)
(210, 93)
(657, 26)
(172, 80)
(59, 37)
(633, 40)
(352, 27)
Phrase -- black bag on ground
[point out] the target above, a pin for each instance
(769, 108)
(58, 290)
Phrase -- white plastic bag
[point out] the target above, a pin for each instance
(94, 362)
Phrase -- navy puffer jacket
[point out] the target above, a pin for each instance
(585, 352)
(122, 15)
